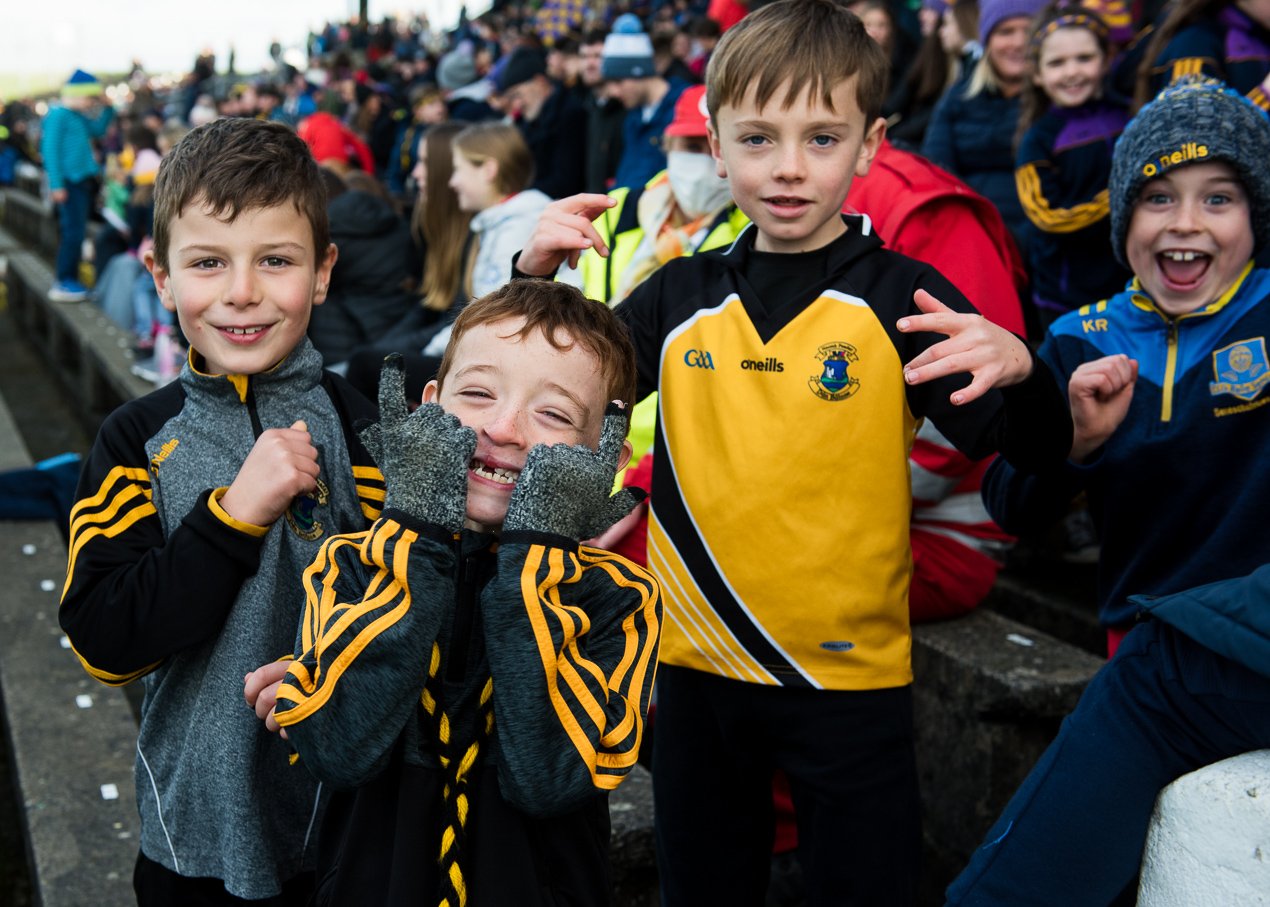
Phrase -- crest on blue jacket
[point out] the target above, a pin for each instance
(1241, 369)
(834, 382)
(301, 515)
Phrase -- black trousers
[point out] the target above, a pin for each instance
(852, 774)
(158, 886)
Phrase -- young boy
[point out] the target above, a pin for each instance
(780, 512)
(471, 677)
(201, 504)
(1167, 379)
(1190, 684)
(70, 162)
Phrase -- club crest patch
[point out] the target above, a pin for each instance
(833, 382)
(300, 515)
(1241, 369)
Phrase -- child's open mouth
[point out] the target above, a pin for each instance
(243, 335)
(494, 473)
(1183, 269)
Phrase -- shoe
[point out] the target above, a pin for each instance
(68, 291)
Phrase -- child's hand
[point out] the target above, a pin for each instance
(564, 489)
(1099, 393)
(282, 464)
(424, 455)
(564, 231)
(991, 354)
(260, 689)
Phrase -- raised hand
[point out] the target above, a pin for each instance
(424, 455)
(1099, 394)
(991, 354)
(564, 231)
(564, 489)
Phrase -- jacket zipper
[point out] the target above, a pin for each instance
(1170, 373)
(464, 621)
(256, 427)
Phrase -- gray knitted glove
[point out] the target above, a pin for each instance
(423, 455)
(564, 489)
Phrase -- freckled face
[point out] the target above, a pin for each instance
(516, 393)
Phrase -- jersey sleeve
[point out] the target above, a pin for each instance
(374, 604)
(572, 637)
(1047, 201)
(1028, 423)
(131, 596)
(1028, 501)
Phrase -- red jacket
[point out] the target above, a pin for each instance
(928, 214)
(329, 139)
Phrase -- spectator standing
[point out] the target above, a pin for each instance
(466, 94)
(551, 119)
(71, 165)
(971, 133)
(648, 98)
(605, 115)
(1064, 163)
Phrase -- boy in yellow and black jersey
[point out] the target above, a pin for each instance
(794, 367)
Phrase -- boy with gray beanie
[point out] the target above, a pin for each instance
(1167, 386)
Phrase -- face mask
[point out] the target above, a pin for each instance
(696, 183)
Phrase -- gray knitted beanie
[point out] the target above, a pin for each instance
(1194, 121)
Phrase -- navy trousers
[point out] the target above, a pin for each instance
(1074, 831)
(852, 776)
(72, 224)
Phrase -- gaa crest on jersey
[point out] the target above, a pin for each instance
(834, 382)
(1241, 369)
(300, 515)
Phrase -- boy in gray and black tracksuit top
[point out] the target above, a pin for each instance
(474, 677)
(201, 504)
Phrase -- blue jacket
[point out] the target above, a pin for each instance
(973, 138)
(66, 144)
(1178, 492)
(1231, 617)
(642, 153)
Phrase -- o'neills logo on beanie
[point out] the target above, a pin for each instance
(1191, 151)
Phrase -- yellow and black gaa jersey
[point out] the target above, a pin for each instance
(779, 526)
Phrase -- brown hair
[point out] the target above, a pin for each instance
(439, 222)
(238, 164)
(813, 45)
(556, 309)
(503, 143)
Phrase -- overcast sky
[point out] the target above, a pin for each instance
(54, 37)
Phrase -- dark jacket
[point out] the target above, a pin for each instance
(405, 629)
(557, 141)
(1178, 490)
(377, 262)
(973, 138)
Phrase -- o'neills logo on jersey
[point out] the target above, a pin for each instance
(1191, 151)
(833, 382)
(770, 364)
